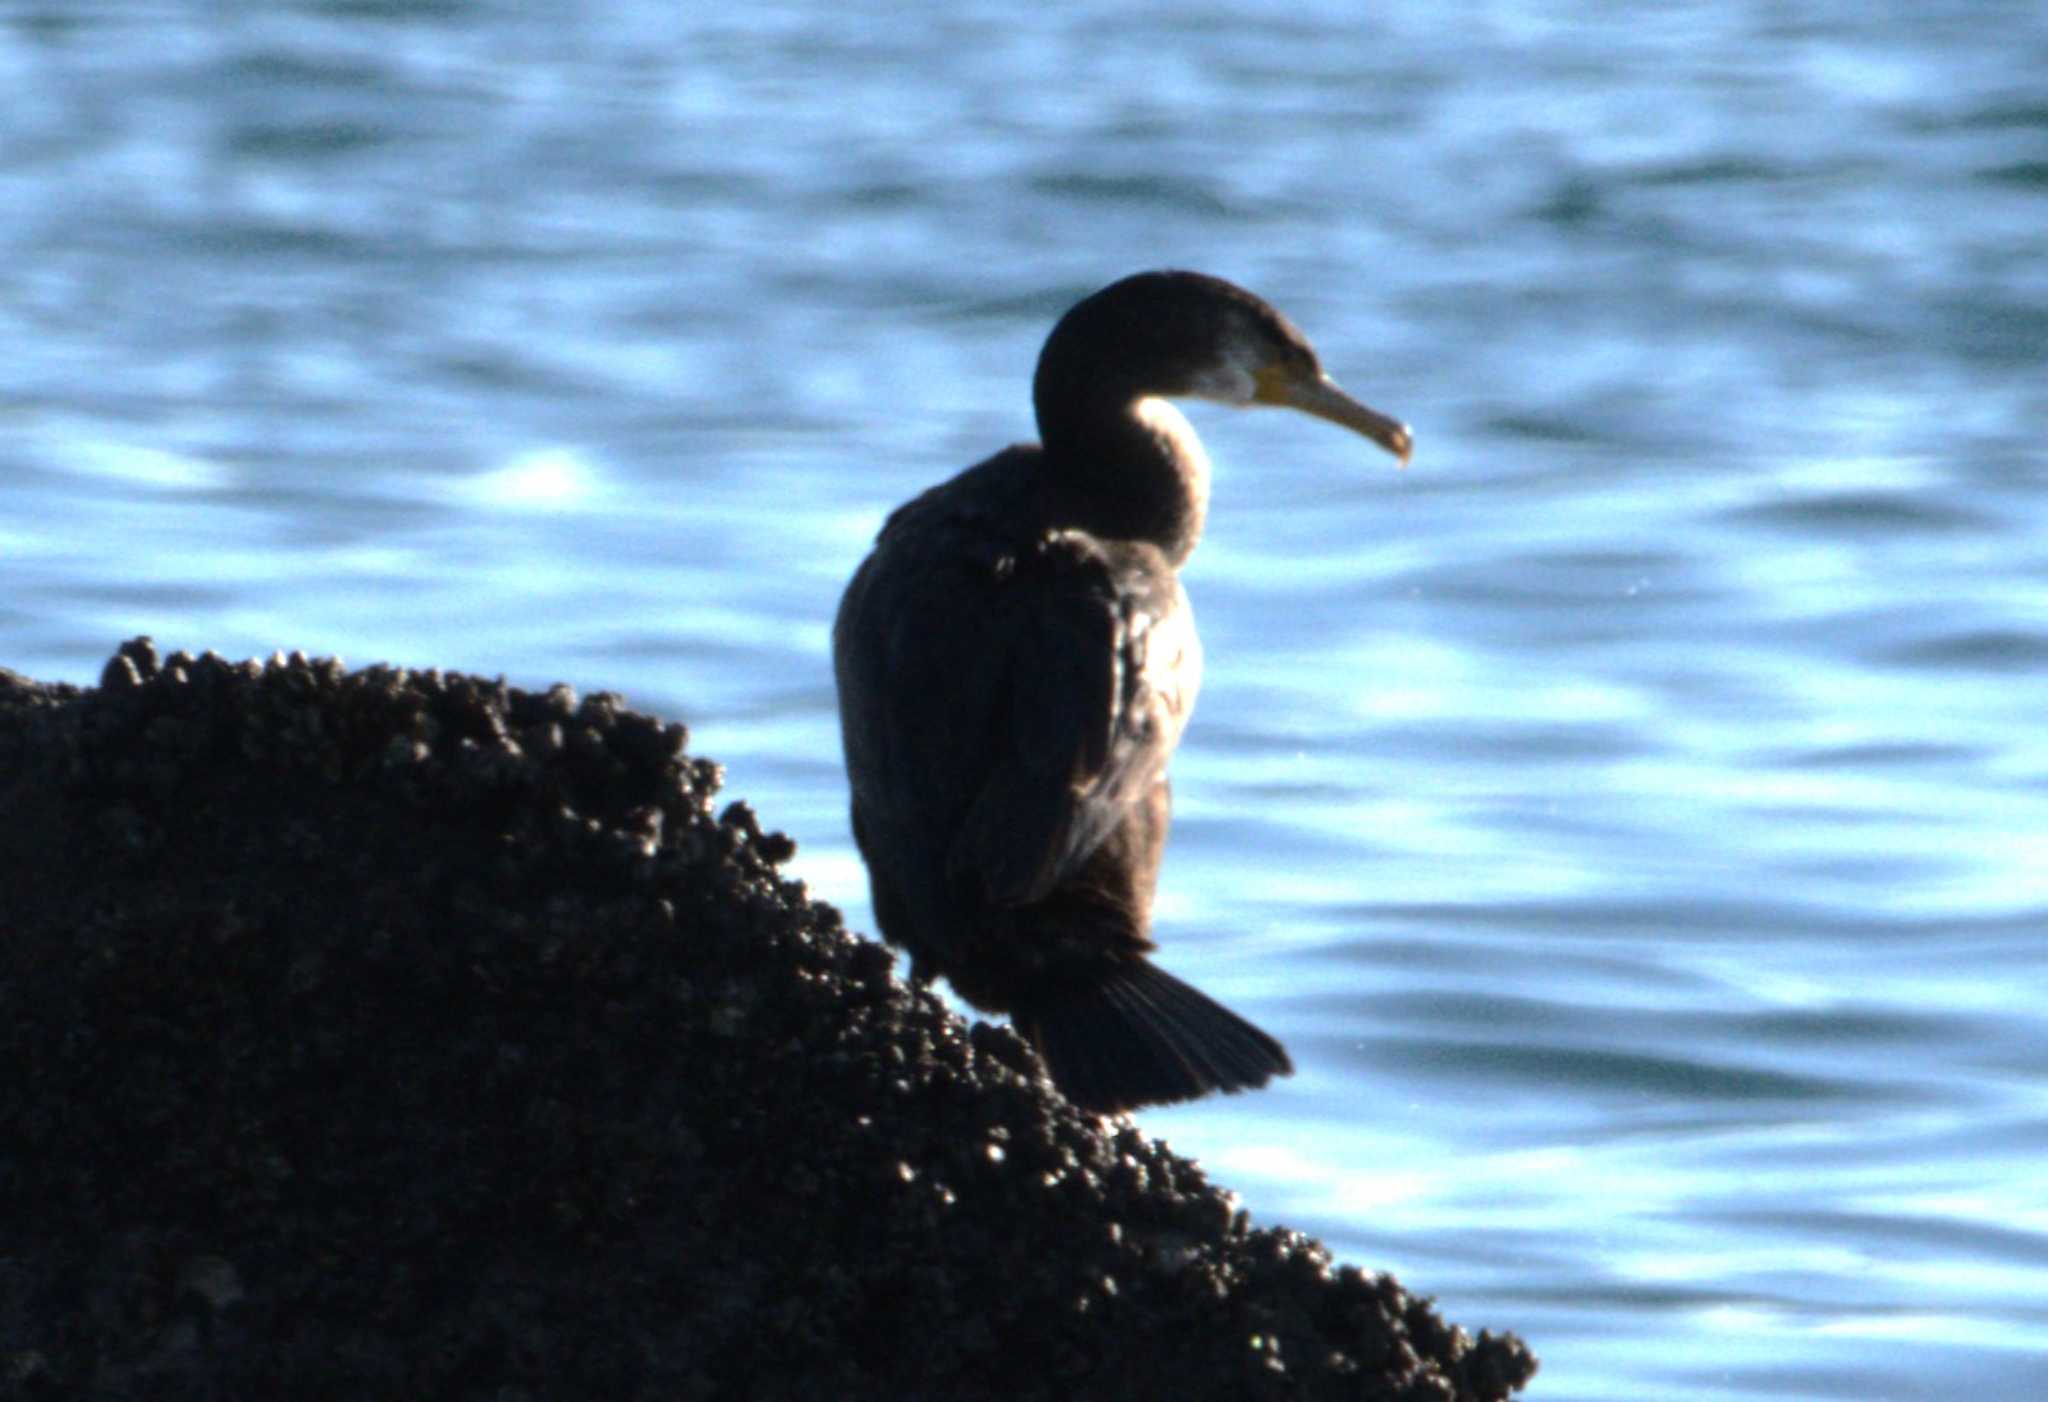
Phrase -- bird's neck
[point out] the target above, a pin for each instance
(1126, 467)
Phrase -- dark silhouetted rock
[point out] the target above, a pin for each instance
(398, 1034)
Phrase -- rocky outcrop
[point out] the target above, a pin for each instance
(399, 1034)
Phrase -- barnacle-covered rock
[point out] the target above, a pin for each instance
(390, 1033)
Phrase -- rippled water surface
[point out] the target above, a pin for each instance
(1634, 816)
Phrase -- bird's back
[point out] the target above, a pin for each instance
(1009, 695)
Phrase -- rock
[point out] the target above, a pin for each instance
(389, 1033)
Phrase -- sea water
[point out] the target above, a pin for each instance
(1633, 816)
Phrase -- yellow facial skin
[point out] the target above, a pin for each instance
(1313, 392)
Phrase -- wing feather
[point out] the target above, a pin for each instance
(1103, 672)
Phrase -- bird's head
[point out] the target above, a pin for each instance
(1183, 334)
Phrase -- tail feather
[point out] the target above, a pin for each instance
(1140, 1036)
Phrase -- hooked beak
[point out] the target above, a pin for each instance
(1316, 393)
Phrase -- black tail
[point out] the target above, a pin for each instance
(1142, 1037)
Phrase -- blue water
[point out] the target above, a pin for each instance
(1634, 816)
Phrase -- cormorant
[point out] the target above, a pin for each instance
(1016, 660)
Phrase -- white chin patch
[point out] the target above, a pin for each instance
(1171, 427)
(1163, 419)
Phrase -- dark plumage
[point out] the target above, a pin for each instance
(1016, 661)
